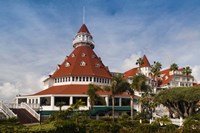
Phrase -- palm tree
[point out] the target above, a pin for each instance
(155, 71)
(139, 62)
(76, 106)
(118, 86)
(174, 67)
(138, 84)
(93, 96)
(60, 104)
(187, 71)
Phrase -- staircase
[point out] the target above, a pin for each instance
(24, 116)
(6, 111)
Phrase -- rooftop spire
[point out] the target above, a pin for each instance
(84, 29)
(146, 62)
(83, 14)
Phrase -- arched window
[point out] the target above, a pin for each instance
(73, 55)
(98, 65)
(83, 54)
(82, 63)
(67, 64)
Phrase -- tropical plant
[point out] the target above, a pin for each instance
(174, 67)
(60, 104)
(76, 106)
(139, 62)
(155, 71)
(139, 83)
(148, 105)
(187, 71)
(93, 96)
(192, 122)
(182, 101)
(164, 120)
(118, 86)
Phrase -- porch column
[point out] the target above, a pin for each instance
(88, 102)
(120, 101)
(52, 102)
(71, 100)
(107, 100)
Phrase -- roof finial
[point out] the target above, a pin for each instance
(83, 14)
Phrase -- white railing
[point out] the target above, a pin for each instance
(178, 122)
(1, 110)
(16, 106)
(31, 111)
(7, 111)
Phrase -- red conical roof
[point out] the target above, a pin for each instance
(91, 64)
(145, 62)
(84, 29)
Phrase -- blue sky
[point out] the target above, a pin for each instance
(36, 35)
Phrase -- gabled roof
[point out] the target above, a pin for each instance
(84, 29)
(145, 62)
(71, 90)
(131, 73)
(167, 77)
(91, 64)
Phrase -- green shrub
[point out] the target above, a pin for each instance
(70, 127)
(147, 128)
(100, 126)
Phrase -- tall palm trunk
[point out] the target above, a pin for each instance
(132, 106)
(113, 108)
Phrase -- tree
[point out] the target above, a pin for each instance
(174, 67)
(155, 71)
(139, 62)
(138, 84)
(187, 71)
(118, 86)
(60, 104)
(76, 106)
(93, 96)
(148, 105)
(182, 101)
(192, 122)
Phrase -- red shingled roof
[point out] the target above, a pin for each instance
(131, 72)
(166, 78)
(93, 66)
(84, 29)
(145, 62)
(71, 90)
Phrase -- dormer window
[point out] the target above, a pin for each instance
(73, 55)
(83, 54)
(82, 63)
(67, 64)
(98, 65)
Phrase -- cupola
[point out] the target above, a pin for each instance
(83, 38)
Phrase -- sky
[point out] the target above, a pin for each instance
(36, 35)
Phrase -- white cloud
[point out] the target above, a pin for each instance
(130, 62)
(8, 91)
(32, 45)
(196, 72)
